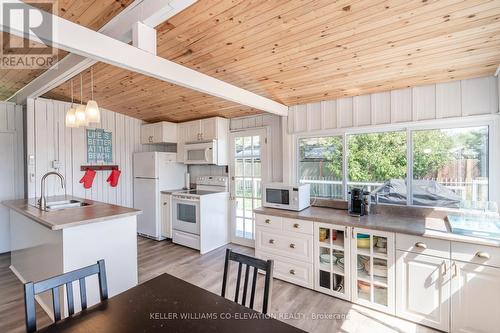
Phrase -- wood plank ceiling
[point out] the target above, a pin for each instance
(89, 13)
(306, 51)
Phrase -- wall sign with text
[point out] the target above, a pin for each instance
(99, 146)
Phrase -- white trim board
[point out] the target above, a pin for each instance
(150, 12)
(76, 39)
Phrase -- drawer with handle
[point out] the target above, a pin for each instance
(299, 247)
(289, 270)
(429, 246)
(304, 227)
(268, 221)
(477, 254)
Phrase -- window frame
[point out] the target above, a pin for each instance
(490, 121)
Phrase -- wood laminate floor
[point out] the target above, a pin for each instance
(295, 305)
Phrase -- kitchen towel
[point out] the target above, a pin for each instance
(113, 177)
(88, 178)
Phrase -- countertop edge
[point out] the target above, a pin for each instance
(21, 210)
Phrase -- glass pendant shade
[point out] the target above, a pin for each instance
(81, 117)
(92, 112)
(71, 118)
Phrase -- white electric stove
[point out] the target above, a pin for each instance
(200, 216)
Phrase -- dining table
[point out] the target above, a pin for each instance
(168, 304)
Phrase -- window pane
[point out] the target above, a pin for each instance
(450, 167)
(320, 164)
(377, 161)
(238, 168)
(248, 167)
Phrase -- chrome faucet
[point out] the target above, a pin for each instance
(42, 202)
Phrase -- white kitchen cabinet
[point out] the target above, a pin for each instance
(215, 128)
(166, 215)
(372, 269)
(423, 289)
(192, 131)
(332, 260)
(161, 132)
(475, 298)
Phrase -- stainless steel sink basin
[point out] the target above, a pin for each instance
(65, 204)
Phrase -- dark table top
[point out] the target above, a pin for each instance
(168, 304)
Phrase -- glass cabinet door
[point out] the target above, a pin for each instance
(332, 259)
(373, 268)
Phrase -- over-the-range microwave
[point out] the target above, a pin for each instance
(200, 153)
(286, 196)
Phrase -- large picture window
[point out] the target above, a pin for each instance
(320, 164)
(447, 167)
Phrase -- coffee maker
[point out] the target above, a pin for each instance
(358, 202)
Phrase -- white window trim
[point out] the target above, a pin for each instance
(492, 121)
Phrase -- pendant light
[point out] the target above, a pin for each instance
(70, 115)
(81, 117)
(92, 110)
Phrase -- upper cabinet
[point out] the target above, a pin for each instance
(161, 132)
(204, 130)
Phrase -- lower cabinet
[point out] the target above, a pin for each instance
(475, 300)
(423, 289)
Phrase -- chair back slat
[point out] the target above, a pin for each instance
(56, 304)
(237, 291)
(257, 264)
(32, 289)
(69, 296)
(83, 293)
(254, 282)
(245, 286)
(103, 285)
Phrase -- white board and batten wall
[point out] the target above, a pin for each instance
(450, 100)
(48, 140)
(12, 166)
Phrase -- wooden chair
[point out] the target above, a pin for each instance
(257, 264)
(31, 289)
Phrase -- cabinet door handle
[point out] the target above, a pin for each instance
(296, 225)
(268, 221)
(271, 241)
(445, 268)
(292, 271)
(292, 246)
(352, 233)
(455, 269)
(421, 245)
(483, 255)
(164, 204)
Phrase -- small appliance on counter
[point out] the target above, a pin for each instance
(286, 196)
(358, 202)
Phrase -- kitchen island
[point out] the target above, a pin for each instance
(49, 243)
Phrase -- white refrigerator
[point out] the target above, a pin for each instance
(154, 172)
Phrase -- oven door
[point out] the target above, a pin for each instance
(186, 215)
(200, 153)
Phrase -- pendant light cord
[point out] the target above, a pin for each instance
(81, 89)
(71, 92)
(92, 81)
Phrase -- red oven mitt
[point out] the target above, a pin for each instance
(113, 177)
(88, 178)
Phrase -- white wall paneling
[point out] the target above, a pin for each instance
(436, 101)
(274, 140)
(12, 166)
(48, 139)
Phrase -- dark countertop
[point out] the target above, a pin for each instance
(169, 304)
(430, 226)
(70, 217)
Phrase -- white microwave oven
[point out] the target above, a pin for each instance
(200, 153)
(286, 196)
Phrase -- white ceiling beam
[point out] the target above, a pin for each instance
(150, 12)
(76, 39)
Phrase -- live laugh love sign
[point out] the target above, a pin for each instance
(99, 146)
